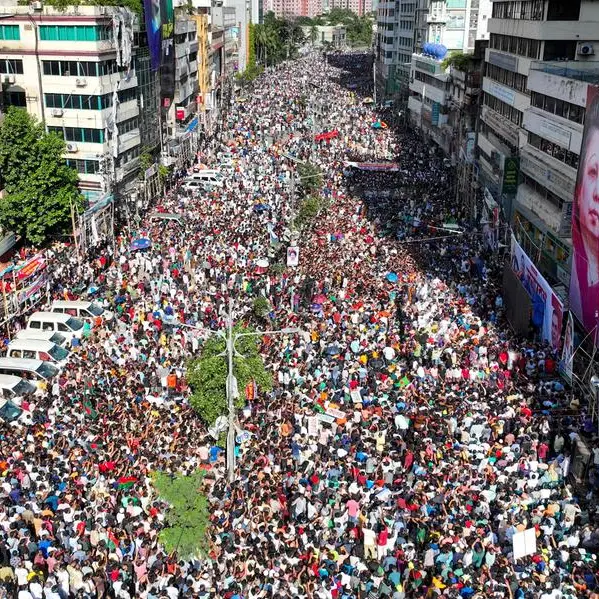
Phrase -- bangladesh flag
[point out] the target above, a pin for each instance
(126, 482)
(89, 409)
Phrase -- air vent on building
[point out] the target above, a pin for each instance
(72, 148)
(586, 49)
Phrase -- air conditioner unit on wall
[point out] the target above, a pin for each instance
(72, 148)
(10, 79)
(585, 49)
(57, 112)
(36, 5)
(80, 82)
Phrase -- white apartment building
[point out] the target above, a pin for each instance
(452, 25)
(539, 63)
(74, 69)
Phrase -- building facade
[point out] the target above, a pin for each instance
(75, 70)
(540, 60)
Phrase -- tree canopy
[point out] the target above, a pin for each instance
(358, 29)
(207, 375)
(187, 519)
(40, 189)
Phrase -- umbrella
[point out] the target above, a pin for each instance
(332, 350)
(262, 263)
(367, 101)
(261, 207)
(376, 125)
(140, 244)
(392, 277)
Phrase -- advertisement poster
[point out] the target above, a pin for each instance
(153, 31)
(548, 309)
(167, 60)
(584, 281)
(565, 366)
(292, 255)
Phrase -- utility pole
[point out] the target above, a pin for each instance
(374, 76)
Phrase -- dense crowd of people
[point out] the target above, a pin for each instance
(408, 438)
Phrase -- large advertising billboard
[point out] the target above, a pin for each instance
(584, 282)
(153, 31)
(167, 61)
(547, 308)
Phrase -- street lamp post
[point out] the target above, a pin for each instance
(231, 339)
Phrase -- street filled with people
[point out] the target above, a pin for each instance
(409, 436)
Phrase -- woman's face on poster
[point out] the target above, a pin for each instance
(588, 211)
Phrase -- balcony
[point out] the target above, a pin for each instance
(503, 126)
(557, 130)
(548, 171)
(549, 214)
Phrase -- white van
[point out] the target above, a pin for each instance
(35, 371)
(51, 336)
(13, 388)
(68, 326)
(211, 177)
(89, 311)
(35, 349)
(194, 185)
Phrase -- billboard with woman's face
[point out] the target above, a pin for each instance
(584, 283)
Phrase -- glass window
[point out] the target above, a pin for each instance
(9, 66)
(10, 33)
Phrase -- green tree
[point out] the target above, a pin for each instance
(207, 375)
(310, 177)
(187, 519)
(40, 189)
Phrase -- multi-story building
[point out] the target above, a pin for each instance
(296, 8)
(360, 7)
(394, 47)
(75, 70)
(451, 26)
(540, 59)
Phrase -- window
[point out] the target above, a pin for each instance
(528, 10)
(71, 68)
(10, 66)
(79, 134)
(542, 190)
(553, 150)
(15, 99)
(558, 10)
(10, 33)
(559, 50)
(561, 108)
(84, 167)
(79, 102)
(74, 33)
(513, 80)
(516, 45)
(34, 324)
(503, 109)
(128, 125)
